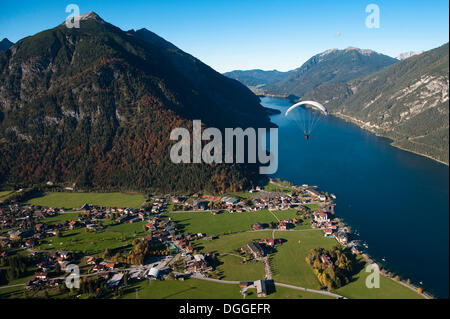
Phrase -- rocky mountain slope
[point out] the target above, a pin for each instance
(407, 102)
(94, 107)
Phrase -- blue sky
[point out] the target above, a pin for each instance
(247, 34)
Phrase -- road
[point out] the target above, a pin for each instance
(321, 292)
(230, 282)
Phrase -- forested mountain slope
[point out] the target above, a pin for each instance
(94, 107)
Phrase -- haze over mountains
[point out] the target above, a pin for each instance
(94, 107)
(406, 100)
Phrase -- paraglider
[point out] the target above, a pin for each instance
(307, 120)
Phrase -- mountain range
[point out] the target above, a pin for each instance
(405, 100)
(94, 106)
(326, 68)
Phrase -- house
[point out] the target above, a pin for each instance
(260, 286)
(41, 275)
(199, 264)
(110, 266)
(201, 205)
(321, 217)
(342, 237)
(230, 200)
(269, 242)
(73, 224)
(153, 273)
(115, 280)
(285, 224)
(20, 234)
(326, 260)
(257, 226)
(255, 250)
(313, 192)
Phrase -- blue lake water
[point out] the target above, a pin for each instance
(397, 201)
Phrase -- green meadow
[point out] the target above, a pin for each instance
(73, 200)
(389, 289)
(92, 243)
(206, 222)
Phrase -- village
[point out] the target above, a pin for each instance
(169, 254)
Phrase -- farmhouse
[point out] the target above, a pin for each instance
(260, 286)
(255, 250)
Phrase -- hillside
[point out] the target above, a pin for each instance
(94, 107)
(330, 68)
(407, 102)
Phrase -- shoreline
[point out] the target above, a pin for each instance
(364, 127)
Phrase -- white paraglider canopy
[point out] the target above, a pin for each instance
(307, 120)
(317, 105)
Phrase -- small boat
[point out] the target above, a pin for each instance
(383, 259)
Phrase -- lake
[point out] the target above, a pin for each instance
(396, 200)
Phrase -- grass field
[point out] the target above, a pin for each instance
(201, 289)
(94, 243)
(60, 218)
(73, 200)
(229, 243)
(233, 269)
(271, 187)
(288, 263)
(389, 289)
(225, 222)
